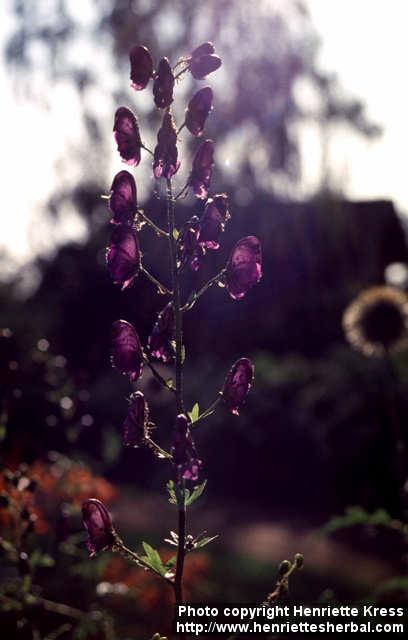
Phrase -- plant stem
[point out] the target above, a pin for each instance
(157, 375)
(181, 552)
(176, 299)
(209, 410)
(189, 305)
(154, 226)
(162, 290)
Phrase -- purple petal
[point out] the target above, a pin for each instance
(201, 66)
(126, 132)
(123, 198)
(141, 67)
(189, 249)
(212, 222)
(163, 85)
(184, 452)
(201, 172)
(135, 426)
(244, 267)
(163, 334)
(166, 163)
(123, 256)
(126, 350)
(98, 523)
(197, 111)
(237, 384)
(203, 49)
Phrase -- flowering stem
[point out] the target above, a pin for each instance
(181, 127)
(148, 150)
(181, 550)
(164, 291)
(180, 73)
(176, 299)
(162, 453)
(157, 375)
(209, 409)
(158, 230)
(189, 305)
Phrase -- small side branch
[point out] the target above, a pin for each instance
(195, 296)
(164, 291)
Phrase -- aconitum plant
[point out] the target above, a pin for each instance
(187, 243)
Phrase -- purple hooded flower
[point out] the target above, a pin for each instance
(141, 67)
(98, 524)
(123, 198)
(136, 424)
(123, 256)
(165, 163)
(126, 350)
(203, 49)
(188, 247)
(244, 267)
(203, 61)
(203, 164)
(197, 111)
(163, 85)
(184, 452)
(163, 334)
(237, 384)
(127, 136)
(212, 222)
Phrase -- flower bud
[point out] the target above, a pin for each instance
(163, 85)
(197, 111)
(299, 560)
(184, 452)
(123, 256)
(141, 67)
(212, 222)
(237, 384)
(201, 172)
(136, 424)
(126, 350)
(163, 335)
(284, 567)
(98, 524)
(189, 249)
(244, 267)
(165, 163)
(127, 136)
(123, 198)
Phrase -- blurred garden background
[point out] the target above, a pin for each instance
(310, 124)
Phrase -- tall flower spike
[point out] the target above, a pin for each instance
(165, 163)
(126, 350)
(237, 384)
(141, 67)
(201, 172)
(123, 198)
(244, 267)
(189, 250)
(163, 335)
(203, 61)
(163, 85)
(98, 524)
(127, 136)
(213, 220)
(184, 452)
(197, 111)
(136, 424)
(123, 256)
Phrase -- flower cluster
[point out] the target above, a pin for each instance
(188, 242)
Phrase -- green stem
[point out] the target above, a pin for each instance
(154, 226)
(209, 410)
(157, 375)
(181, 128)
(176, 299)
(164, 291)
(181, 550)
(189, 305)
(160, 451)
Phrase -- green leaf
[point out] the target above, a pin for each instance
(175, 234)
(171, 562)
(39, 559)
(153, 560)
(194, 413)
(195, 493)
(204, 541)
(183, 353)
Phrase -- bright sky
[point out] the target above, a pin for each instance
(364, 41)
